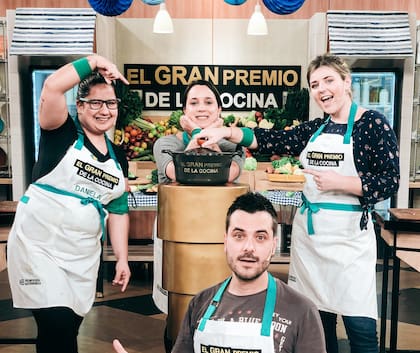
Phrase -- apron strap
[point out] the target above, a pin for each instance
(349, 130)
(270, 304)
(314, 207)
(350, 123)
(83, 201)
(81, 141)
(213, 305)
(111, 152)
(320, 129)
(80, 134)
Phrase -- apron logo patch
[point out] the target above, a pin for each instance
(216, 349)
(324, 159)
(30, 282)
(96, 175)
(292, 278)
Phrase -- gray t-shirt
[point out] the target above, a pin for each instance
(296, 321)
(174, 144)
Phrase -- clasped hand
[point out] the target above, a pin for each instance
(189, 125)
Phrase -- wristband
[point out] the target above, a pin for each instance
(82, 68)
(247, 137)
(186, 138)
(195, 131)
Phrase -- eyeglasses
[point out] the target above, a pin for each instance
(97, 104)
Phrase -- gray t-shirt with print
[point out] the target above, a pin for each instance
(296, 321)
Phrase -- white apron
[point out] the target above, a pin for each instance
(335, 265)
(54, 245)
(159, 294)
(227, 336)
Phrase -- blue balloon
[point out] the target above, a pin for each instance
(283, 7)
(110, 7)
(235, 2)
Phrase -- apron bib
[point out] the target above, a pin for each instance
(329, 252)
(54, 246)
(227, 336)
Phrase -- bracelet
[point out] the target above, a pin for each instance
(82, 68)
(195, 131)
(247, 137)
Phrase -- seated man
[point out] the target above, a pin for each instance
(250, 311)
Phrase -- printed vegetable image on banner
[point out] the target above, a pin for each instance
(283, 7)
(110, 7)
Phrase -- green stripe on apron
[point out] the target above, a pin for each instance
(314, 207)
(83, 200)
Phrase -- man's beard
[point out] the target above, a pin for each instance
(245, 276)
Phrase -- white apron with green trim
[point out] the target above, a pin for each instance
(227, 336)
(334, 266)
(54, 245)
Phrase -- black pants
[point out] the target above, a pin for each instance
(329, 322)
(58, 328)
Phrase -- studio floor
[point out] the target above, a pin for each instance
(133, 318)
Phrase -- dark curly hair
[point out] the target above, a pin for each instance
(253, 202)
(95, 78)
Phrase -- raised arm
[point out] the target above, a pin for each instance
(53, 108)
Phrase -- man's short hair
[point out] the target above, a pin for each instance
(253, 202)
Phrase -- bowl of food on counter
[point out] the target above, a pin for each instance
(286, 169)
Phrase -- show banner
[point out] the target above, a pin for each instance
(241, 87)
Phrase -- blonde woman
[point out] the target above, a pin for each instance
(351, 162)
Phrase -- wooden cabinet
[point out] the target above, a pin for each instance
(142, 220)
(142, 223)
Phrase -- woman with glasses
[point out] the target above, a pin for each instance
(77, 196)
